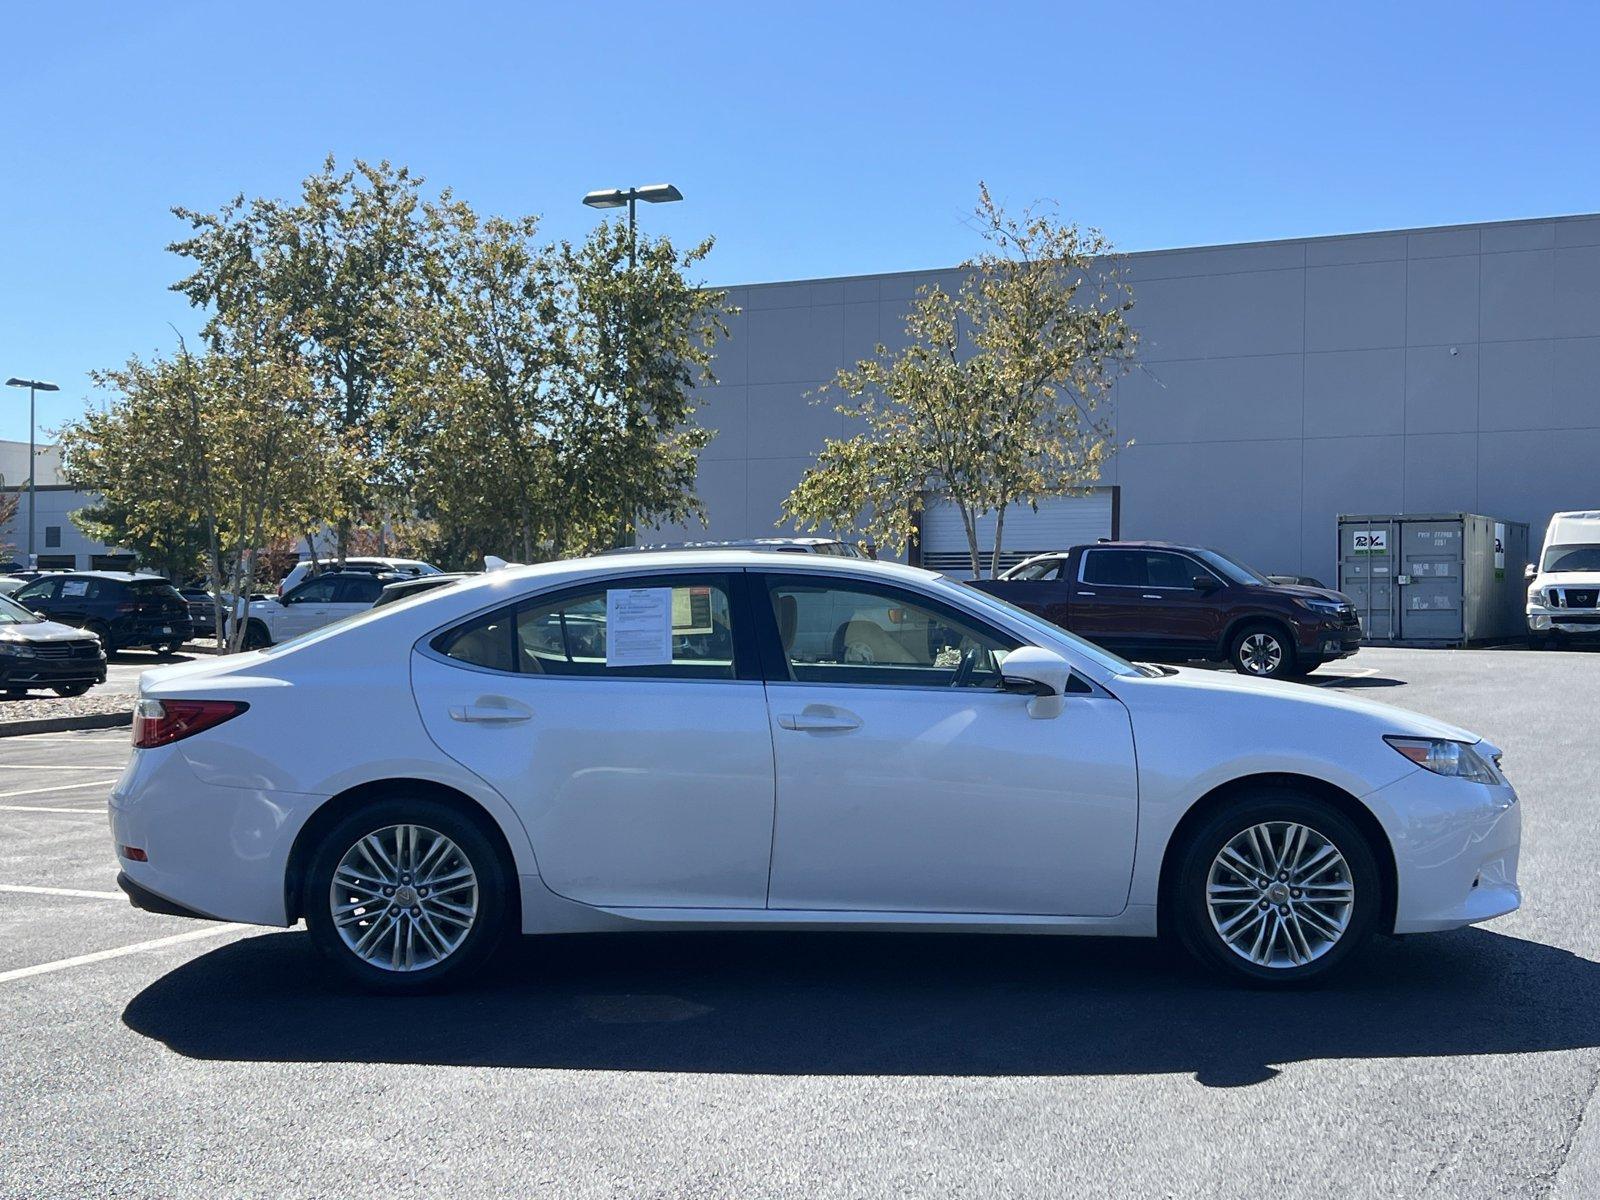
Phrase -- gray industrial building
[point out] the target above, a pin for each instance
(1452, 369)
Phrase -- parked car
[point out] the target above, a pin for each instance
(123, 609)
(10, 585)
(1167, 603)
(404, 589)
(1564, 586)
(202, 611)
(305, 568)
(320, 600)
(638, 743)
(36, 653)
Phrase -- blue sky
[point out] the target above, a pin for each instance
(811, 139)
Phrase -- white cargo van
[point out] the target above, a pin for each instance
(1564, 585)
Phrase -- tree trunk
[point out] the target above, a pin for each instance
(999, 535)
(969, 523)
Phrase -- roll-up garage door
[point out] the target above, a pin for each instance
(1060, 522)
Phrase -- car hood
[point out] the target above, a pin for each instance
(1567, 579)
(1311, 593)
(1316, 702)
(45, 631)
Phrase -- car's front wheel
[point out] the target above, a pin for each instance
(1263, 651)
(1277, 888)
(405, 895)
(71, 689)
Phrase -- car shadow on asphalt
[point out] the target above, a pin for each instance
(871, 1004)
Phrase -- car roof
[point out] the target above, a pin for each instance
(701, 560)
(118, 576)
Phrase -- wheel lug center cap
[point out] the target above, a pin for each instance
(1278, 893)
(405, 897)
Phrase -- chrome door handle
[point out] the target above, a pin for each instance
(819, 723)
(488, 714)
(1148, 596)
(1085, 593)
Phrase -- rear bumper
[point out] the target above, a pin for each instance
(154, 631)
(211, 850)
(143, 898)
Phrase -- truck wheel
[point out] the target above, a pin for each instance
(1263, 651)
(256, 636)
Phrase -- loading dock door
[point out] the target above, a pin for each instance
(1060, 522)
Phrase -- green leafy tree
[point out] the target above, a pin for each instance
(997, 399)
(551, 385)
(229, 443)
(328, 278)
(9, 502)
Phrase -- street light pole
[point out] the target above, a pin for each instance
(33, 385)
(655, 193)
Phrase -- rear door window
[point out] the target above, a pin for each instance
(359, 590)
(1116, 568)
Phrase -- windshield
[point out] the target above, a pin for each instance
(1572, 558)
(1096, 654)
(12, 613)
(1232, 568)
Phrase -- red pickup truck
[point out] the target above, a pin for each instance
(1168, 603)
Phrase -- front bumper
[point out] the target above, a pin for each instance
(1330, 641)
(50, 672)
(1456, 845)
(212, 850)
(1563, 620)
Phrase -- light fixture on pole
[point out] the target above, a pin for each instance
(33, 385)
(654, 193)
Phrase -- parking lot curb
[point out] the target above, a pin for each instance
(65, 724)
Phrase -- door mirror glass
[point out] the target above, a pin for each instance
(1206, 583)
(1529, 571)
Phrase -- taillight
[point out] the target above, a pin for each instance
(162, 722)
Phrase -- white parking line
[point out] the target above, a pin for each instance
(48, 767)
(93, 812)
(64, 787)
(84, 960)
(50, 891)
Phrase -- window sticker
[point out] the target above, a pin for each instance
(75, 587)
(638, 627)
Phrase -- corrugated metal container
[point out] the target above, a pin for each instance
(1434, 579)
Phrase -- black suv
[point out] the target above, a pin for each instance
(122, 608)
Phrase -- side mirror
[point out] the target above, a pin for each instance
(1529, 571)
(1039, 673)
(1205, 583)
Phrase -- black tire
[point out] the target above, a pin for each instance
(72, 689)
(101, 631)
(495, 895)
(168, 648)
(15, 694)
(1263, 651)
(1190, 908)
(256, 636)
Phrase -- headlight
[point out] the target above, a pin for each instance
(1326, 608)
(17, 649)
(1444, 757)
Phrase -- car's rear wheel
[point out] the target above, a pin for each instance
(405, 895)
(1262, 650)
(1276, 889)
(71, 689)
(256, 636)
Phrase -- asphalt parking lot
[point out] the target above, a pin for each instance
(153, 1056)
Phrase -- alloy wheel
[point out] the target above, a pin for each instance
(1280, 894)
(1261, 653)
(404, 898)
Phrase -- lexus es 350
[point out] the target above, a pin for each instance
(739, 739)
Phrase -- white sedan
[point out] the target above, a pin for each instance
(737, 739)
